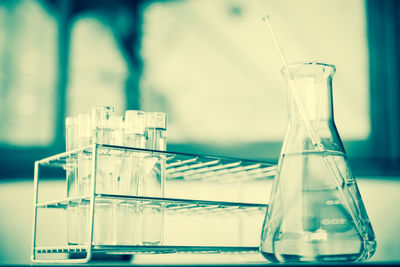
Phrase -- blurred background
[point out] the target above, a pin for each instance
(212, 67)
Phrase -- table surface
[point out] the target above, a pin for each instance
(381, 197)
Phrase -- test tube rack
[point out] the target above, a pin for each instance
(179, 166)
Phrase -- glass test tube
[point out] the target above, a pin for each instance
(71, 142)
(102, 132)
(120, 166)
(84, 176)
(104, 219)
(134, 128)
(84, 164)
(153, 179)
(128, 215)
(118, 140)
(117, 124)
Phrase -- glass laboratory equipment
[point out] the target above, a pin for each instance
(84, 162)
(127, 213)
(134, 126)
(71, 143)
(106, 173)
(316, 212)
(117, 127)
(71, 133)
(84, 176)
(102, 133)
(152, 180)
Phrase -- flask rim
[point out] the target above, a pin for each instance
(324, 67)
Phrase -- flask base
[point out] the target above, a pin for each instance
(301, 258)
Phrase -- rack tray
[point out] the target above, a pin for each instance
(144, 249)
(180, 165)
(174, 205)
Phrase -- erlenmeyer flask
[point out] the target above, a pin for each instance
(316, 212)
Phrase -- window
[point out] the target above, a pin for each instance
(28, 79)
(27, 74)
(210, 65)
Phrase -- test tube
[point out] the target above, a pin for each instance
(71, 133)
(153, 179)
(71, 142)
(84, 163)
(156, 130)
(134, 128)
(117, 140)
(104, 219)
(102, 124)
(102, 132)
(117, 124)
(128, 216)
(84, 176)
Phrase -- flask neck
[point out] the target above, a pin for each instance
(310, 84)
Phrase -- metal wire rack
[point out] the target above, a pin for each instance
(179, 166)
